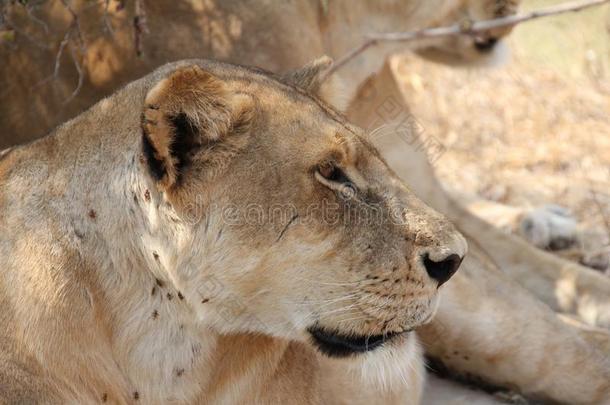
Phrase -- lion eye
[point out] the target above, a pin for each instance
(332, 173)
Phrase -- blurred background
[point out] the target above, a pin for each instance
(532, 132)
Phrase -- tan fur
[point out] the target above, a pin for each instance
(121, 282)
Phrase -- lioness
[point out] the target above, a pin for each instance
(129, 250)
(507, 339)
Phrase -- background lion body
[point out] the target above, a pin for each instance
(273, 35)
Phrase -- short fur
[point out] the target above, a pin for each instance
(129, 273)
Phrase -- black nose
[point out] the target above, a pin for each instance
(485, 45)
(443, 270)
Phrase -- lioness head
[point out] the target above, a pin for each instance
(283, 218)
(482, 49)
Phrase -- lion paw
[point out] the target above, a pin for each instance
(549, 227)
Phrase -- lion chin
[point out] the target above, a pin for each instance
(337, 344)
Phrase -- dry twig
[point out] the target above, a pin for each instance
(6, 22)
(107, 23)
(30, 8)
(469, 28)
(602, 212)
(606, 223)
(73, 29)
(81, 75)
(57, 65)
(139, 26)
(75, 25)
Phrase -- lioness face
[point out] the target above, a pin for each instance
(485, 48)
(295, 225)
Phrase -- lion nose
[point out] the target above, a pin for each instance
(485, 44)
(442, 271)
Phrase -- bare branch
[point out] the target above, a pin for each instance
(60, 51)
(57, 65)
(29, 8)
(606, 222)
(75, 25)
(605, 218)
(81, 75)
(74, 28)
(139, 26)
(470, 28)
(23, 33)
(107, 22)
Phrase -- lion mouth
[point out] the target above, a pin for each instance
(334, 344)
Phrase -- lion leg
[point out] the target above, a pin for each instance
(565, 286)
(549, 226)
(490, 328)
(445, 392)
(598, 337)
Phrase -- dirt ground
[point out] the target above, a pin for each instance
(534, 131)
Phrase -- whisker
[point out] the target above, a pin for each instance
(337, 310)
(328, 302)
(351, 283)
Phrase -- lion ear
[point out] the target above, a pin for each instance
(316, 78)
(185, 115)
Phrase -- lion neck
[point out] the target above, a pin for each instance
(114, 240)
(138, 243)
(345, 23)
(157, 328)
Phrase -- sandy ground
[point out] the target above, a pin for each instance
(524, 134)
(534, 131)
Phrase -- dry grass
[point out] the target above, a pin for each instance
(528, 133)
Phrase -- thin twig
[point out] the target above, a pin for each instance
(81, 76)
(25, 35)
(606, 221)
(57, 65)
(107, 22)
(602, 212)
(60, 51)
(74, 29)
(139, 26)
(30, 10)
(469, 28)
(75, 25)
